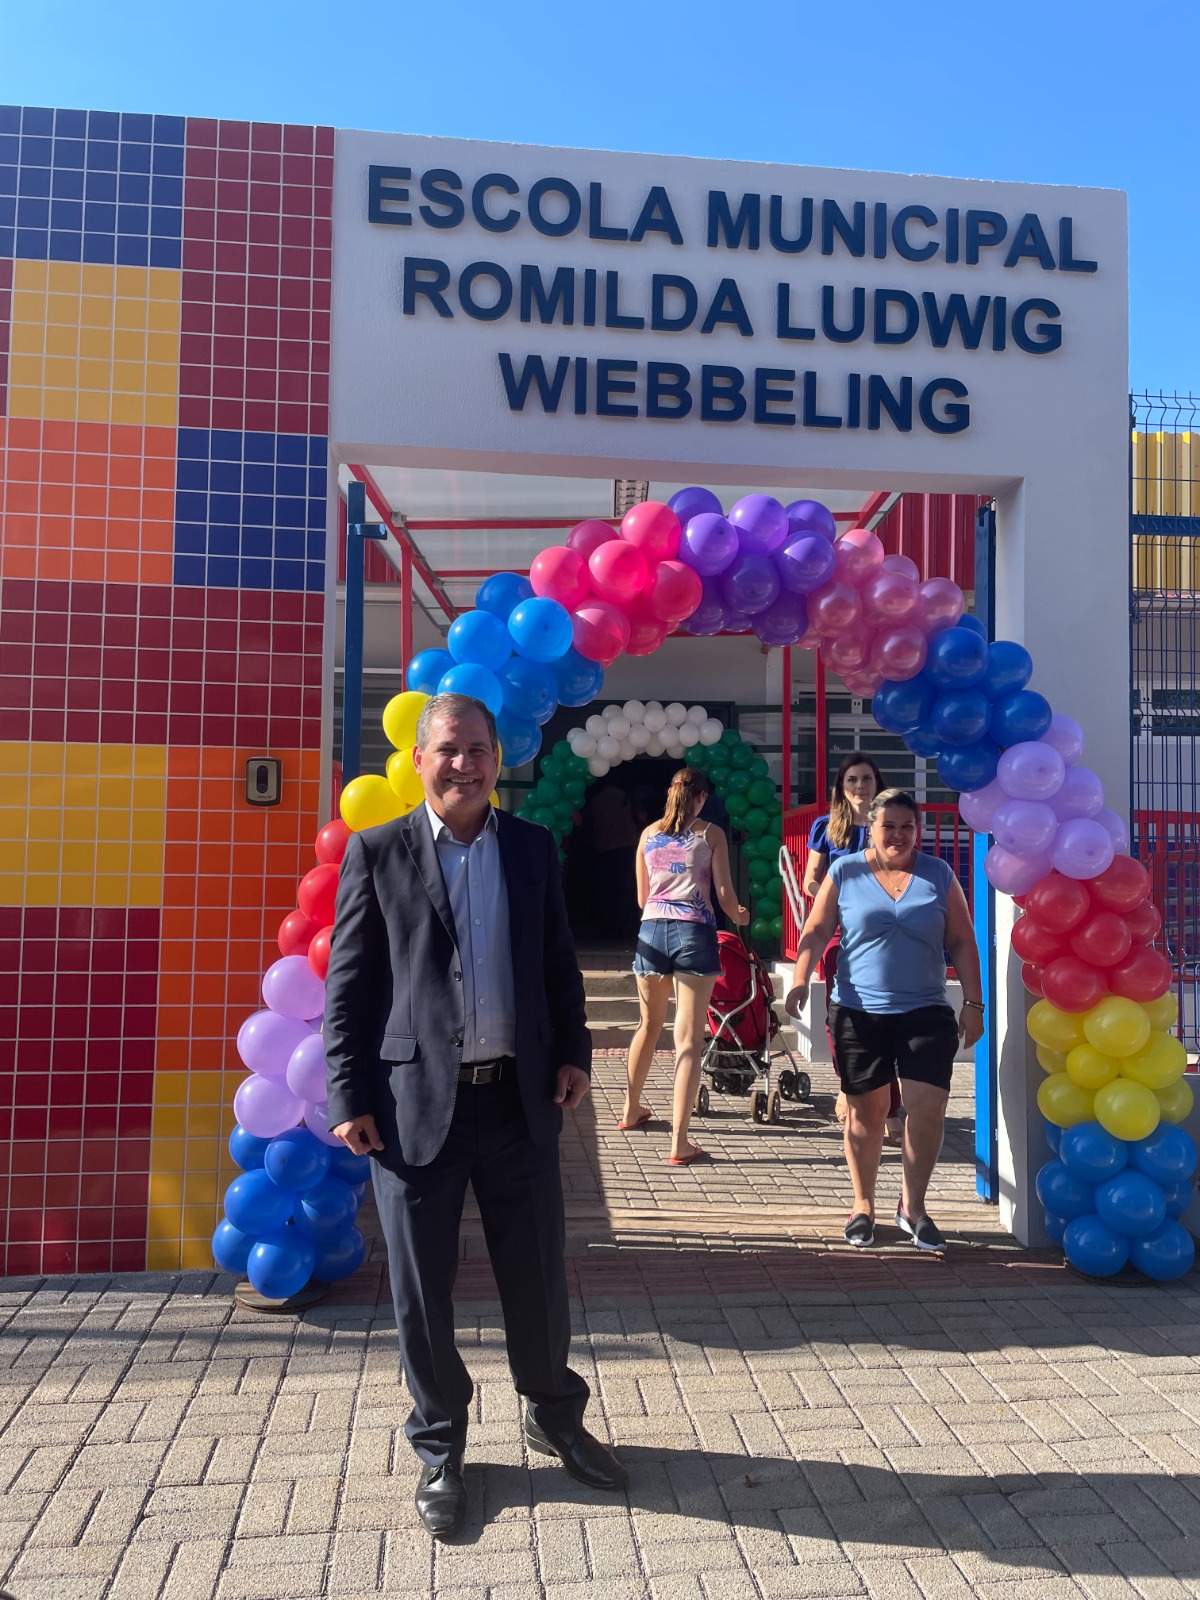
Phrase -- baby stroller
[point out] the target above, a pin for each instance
(744, 1035)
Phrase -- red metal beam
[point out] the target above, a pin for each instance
(873, 507)
(402, 537)
(786, 726)
(484, 524)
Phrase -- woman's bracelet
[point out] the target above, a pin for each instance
(976, 1004)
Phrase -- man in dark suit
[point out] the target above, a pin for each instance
(455, 1037)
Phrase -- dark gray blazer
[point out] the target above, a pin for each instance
(394, 995)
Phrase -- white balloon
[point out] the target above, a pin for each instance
(596, 726)
(633, 711)
(618, 727)
(655, 747)
(608, 747)
(628, 750)
(585, 745)
(697, 714)
(654, 705)
(672, 743)
(610, 712)
(711, 731)
(598, 767)
(655, 719)
(689, 734)
(676, 713)
(639, 736)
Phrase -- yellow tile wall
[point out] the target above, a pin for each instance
(190, 1165)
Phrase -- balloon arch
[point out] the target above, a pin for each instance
(1113, 1092)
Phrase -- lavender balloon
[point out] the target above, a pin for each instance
(1066, 736)
(1083, 848)
(710, 615)
(978, 808)
(750, 585)
(1117, 831)
(784, 620)
(266, 1040)
(804, 564)
(1082, 795)
(1032, 770)
(693, 502)
(306, 1069)
(761, 522)
(1024, 827)
(265, 1108)
(710, 543)
(316, 1120)
(291, 987)
(810, 516)
(1013, 874)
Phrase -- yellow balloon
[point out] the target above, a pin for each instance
(1051, 1060)
(1176, 1100)
(405, 779)
(1117, 1027)
(400, 717)
(495, 799)
(1163, 1012)
(1162, 1063)
(369, 801)
(1062, 1102)
(1089, 1069)
(1057, 1030)
(1127, 1110)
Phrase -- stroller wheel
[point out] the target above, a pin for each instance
(787, 1084)
(773, 1107)
(702, 1100)
(758, 1105)
(803, 1085)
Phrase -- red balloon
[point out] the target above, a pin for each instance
(1019, 900)
(618, 571)
(1071, 985)
(1103, 940)
(654, 529)
(600, 631)
(330, 844)
(673, 591)
(646, 631)
(1031, 977)
(561, 574)
(318, 952)
(1143, 975)
(1058, 903)
(588, 536)
(1144, 922)
(295, 932)
(318, 893)
(1034, 943)
(1122, 885)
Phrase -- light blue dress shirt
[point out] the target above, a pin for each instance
(474, 879)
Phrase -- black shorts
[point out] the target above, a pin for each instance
(874, 1047)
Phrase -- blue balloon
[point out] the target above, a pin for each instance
(256, 1205)
(922, 741)
(478, 682)
(1052, 1136)
(692, 502)
(1009, 668)
(231, 1247)
(326, 1207)
(579, 680)
(344, 1164)
(1166, 1254)
(296, 1159)
(281, 1264)
(501, 592)
(973, 623)
(1060, 1192)
(1168, 1155)
(1020, 716)
(530, 689)
(541, 629)
(1056, 1227)
(339, 1256)
(961, 716)
(246, 1149)
(966, 767)
(1091, 1153)
(900, 707)
(1179, 1197)
(427, 669)
(1131, 1203)
(520, 739)
(958, 659)
(481, 639)
(1094, 1247)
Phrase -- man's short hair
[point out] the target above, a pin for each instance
(453, 705)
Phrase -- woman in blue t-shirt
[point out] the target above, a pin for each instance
(900, 913)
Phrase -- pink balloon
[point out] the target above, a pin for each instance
(618, 571)
(890, 598)
(291, 987)
(600, 630)
(1031, 771)
(1114, 826)
(941, 604)
(902, 565)
(266, 1040)
(857, 555)
(850, 650)
(1082, 849)
(1013, 874)
(561, 574)
(590, 535)
(810, 639)
(977, 807)
(306, 1069)
(672, 591)
(899, 653)
(316, 1120)
(653, 528)
(1066, 736)
(865, 682)
(1081, 795)
(833, 607)
(264, 1107)
(646, 631)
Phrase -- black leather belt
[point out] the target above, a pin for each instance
(480, 1072)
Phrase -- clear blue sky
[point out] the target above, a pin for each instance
(1058, 91)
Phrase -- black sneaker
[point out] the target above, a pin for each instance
(924, 1233)
(860, 1230)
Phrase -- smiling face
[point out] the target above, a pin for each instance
(895, 834)
(859, 787)
(458, 769)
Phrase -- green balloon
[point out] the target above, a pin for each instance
(759, 767)
(741, 756)
(772, 839)
(777, 927)
(575, 766)
(761, 791)
(737, 781)
(760, 930)
(544, 817)
(737, 806)
(562, 749)
(562, 857)
(757, 820)
(761, 872)
(730, 737)
(552, 768)
(770, 904)
(697, 757)
(565, 812)
(574, 790)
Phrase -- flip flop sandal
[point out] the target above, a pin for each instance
(639, 1122)
(686, 1161)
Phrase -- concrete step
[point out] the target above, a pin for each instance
(612, 1008)
(596, 982)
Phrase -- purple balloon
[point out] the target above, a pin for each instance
(805, 563)
(265, 1108)
(784, 620)
(1013, 874)
(738, 621)
(1022, 827)
(810, 516)
(266, 1040)
(710, 543)
(750, 585)
(761, 523)
(692, 502)
(291, 987)
(1031, 770)
(978, 807)
(1083, 848)
(306, 1069)
(1066, 736)
(316, 1120)
(1117, 831)
(1082, 794)
(709, 616)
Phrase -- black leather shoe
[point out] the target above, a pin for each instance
(442, 1499)
(581, 1453)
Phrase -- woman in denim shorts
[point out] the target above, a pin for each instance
(678, 863)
